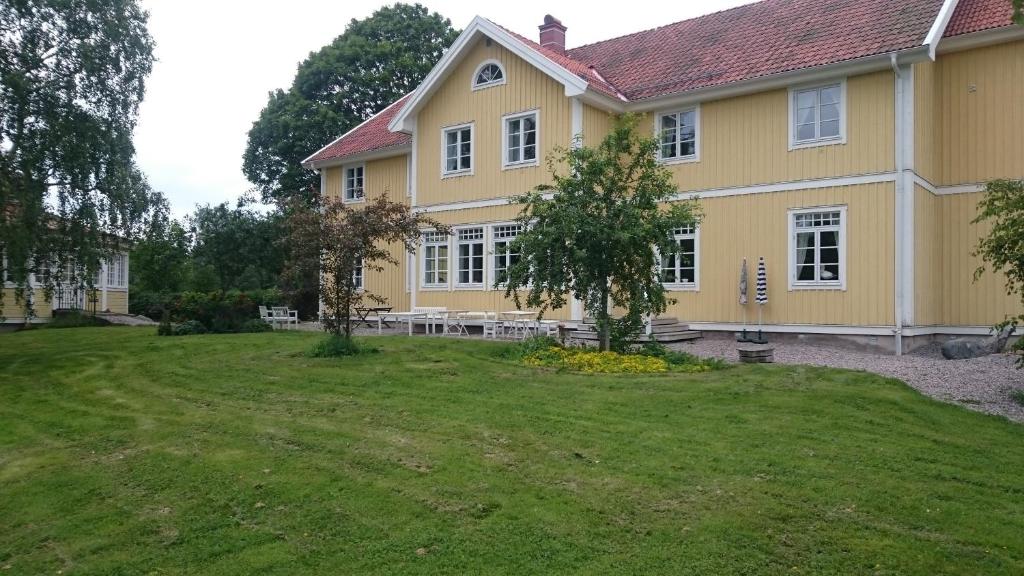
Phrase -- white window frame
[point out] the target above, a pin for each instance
(505, 164)
(445, 173)
(795, 284)
(695, 157)
(455, 264)
(493, 252)
(361, 168)
(115, 269)
(685, 286)
(424, 285)
(504, 76)
(794, 144)
(359, 275)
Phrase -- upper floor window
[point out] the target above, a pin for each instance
(117, 271)
(817, 115)
(679, 267)
(435, 260)
(490, 73)
(520, 141)
(470, 257)
(818, 248)
(678, 135)
(501, 242)
(458, 150)
(354, 183)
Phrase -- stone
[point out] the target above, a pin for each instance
(964, 348)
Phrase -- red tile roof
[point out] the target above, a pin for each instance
(367, 137)
(977, 15)
(743, 43)
(756, 40)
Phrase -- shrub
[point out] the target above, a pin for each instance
(529, 346)
(334, 346)
(189, 328)
(679, 360)
(75, 319)
(217, 311)
(594, 362)
(1018, 396)
(165, 328)
(255, 325)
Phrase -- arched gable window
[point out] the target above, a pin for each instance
(490, 73)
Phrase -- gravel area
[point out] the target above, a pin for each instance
(981, 384)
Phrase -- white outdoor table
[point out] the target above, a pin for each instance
(398, 317)
(520, 319)
(467, 314)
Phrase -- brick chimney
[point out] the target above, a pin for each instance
(552, 34)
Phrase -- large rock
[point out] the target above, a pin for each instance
(963, 348)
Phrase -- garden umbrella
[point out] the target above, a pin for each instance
(761, 292)
(743, 299)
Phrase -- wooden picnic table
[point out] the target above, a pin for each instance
(363, 312)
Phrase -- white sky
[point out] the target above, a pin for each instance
(217, 59)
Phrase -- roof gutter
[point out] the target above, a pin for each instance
(377, 154)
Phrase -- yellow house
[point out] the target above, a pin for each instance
(109, 295)
(846, 143)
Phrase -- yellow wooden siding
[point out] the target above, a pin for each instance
(387, 177)
(926, 120)
(928, 285)
(117, 301)
(526, 88)
(982, 118)
(12, 310)
(332, 185)
(745, 140)
(596, 124)
(964, 301)
(758, 225)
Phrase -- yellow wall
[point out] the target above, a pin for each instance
(965, 302)
(745, 140)
(928, 258)
(927, 110)
(757, 225)
(15, 311)
(596, 124)
(982, 114)
(454, 102)
(117, 301)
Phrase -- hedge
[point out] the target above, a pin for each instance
(217, 311)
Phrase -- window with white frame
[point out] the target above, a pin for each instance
(501, 249)
(817, 247)
(679, 267)
(357, 274)
(435, 260)
(520, 146)
(677, 134)
(117, 271)
(470, 246)
(489, 74)
(817, 114)
(458, 150)
(354, 183)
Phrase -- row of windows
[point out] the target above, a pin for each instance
(117, 272)
(470, 262)
(520, 135)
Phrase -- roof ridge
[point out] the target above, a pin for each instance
(647, 30)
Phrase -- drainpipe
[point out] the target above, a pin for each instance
(898, 200)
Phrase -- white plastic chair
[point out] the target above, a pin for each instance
(548, 328)
(492, 326)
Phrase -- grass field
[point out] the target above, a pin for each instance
(125, 453)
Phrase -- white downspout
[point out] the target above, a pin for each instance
(903, 237)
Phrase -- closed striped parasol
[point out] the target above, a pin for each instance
(762, 283)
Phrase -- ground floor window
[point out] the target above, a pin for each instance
(679, 267)
(504, 257)
(818, 248)
(435, 260)
(470, 257)
(357, 274)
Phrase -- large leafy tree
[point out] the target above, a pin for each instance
(351, 239)
(237, 245)
(596, 231)
(72, 74)
(160, 259)
(373, 63)
(1002, 249)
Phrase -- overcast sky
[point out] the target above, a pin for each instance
(217, 59)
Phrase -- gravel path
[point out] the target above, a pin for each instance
(981, 384)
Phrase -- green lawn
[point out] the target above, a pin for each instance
(125, 453)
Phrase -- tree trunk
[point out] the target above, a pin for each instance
(604, 327)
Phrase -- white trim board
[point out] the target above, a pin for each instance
(789, 186)
(842, 329)
(934, 36)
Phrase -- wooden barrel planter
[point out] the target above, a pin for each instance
(758, 355)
